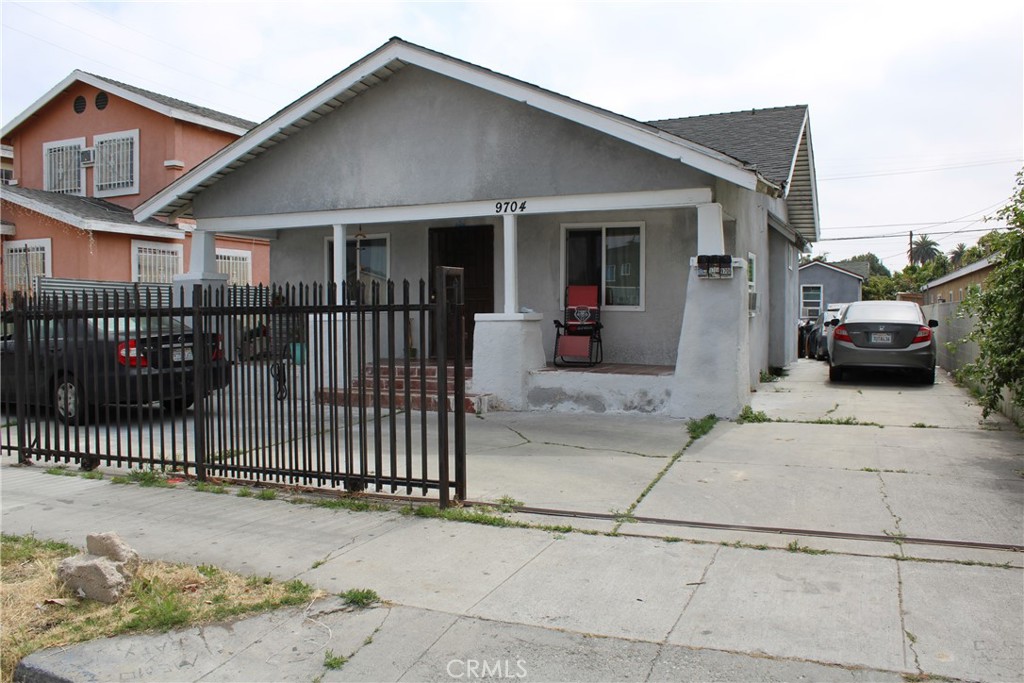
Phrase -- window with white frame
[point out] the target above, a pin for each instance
(116, 170)
(367, 259)
(810, 300)
(608, 255)
(62, 167)
(156, 261)
(24, 261)
(236, 264)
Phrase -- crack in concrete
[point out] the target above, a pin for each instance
(896, 519)
(909, 639)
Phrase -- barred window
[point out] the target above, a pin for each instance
(156, 261)
(62, 167)
(24, 261)
(236, 264)
(117, 162)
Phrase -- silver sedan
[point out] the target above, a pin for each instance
(882, 334)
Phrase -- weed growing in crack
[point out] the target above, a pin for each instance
(360, 597)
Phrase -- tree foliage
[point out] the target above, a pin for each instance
(923, 250)
(874, 263)
(999, 308)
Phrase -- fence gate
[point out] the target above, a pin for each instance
(311, 386)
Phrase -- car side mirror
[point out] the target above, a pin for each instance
(933, 323)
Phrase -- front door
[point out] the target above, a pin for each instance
(470, 248)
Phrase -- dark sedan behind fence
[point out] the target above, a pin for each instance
(289, 385)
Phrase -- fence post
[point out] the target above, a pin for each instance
(199, 366)
(21, 355)
(460, 385)
(441, 351)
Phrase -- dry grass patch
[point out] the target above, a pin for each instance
(37, 611)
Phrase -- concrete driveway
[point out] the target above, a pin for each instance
(876, 455)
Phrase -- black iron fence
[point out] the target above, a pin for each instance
(312, 385)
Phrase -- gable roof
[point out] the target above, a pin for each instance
(169, 106)
(396, 54)
(837, 268)
(86, 213)
(862, 268)
(776, 142)
(961, 272)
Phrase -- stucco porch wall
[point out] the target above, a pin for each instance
(551, 389)
(746, 232)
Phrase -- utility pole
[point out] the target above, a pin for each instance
(910, 250)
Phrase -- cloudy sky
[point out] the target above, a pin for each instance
(917, 108)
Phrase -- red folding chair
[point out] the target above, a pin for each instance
(578, 339)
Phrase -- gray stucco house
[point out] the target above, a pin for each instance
(435, 161)
(823, 283)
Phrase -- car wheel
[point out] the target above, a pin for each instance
(69, 401)
(178, 405)
(835, 373)
(928, 376)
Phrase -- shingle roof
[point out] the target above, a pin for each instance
(764, 138)
(862, 268)
(181, 104)
(86, 209)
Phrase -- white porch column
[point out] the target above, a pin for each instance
(509, 233)
(713, 358)
(339, 256)
(710, 234)
(507, 346)
(202, 267)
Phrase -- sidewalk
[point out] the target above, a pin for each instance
(464, 600)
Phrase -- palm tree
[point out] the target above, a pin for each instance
(956, 257)
(922, 250)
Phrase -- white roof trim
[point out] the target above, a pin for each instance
(956, 274)
(615, 201)
(839, 269)
(639, 134)
(92, 224)
(114, 89)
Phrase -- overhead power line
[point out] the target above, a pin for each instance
(901, 235)
(930, 169)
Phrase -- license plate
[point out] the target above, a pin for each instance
(881, 338)
(181, 354)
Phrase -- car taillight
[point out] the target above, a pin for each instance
(218, 348)
(841, 334)
(128, 354)
(923, 334)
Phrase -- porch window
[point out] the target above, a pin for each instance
(810, 301)
(117, 163)
(610, 256)
(236, 264)
(62, 167)
(24, 261)
(156, 261)
(367, 260)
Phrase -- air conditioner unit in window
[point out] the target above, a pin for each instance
(88, 156)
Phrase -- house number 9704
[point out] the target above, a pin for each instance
(510, 207)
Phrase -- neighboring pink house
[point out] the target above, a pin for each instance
(87, 153)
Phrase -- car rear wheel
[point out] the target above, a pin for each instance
(928, 376)
(69, 402)
(177, 405)
(835, 374)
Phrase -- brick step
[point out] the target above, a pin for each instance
(475, 403)
(414, 370)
